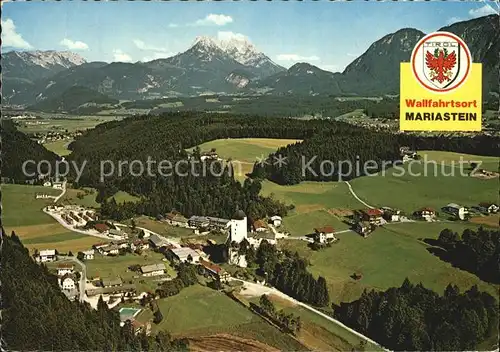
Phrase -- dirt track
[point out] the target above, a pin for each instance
(226, 342)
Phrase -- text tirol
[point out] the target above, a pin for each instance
(424, 110)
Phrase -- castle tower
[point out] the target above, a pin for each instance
(238, 227)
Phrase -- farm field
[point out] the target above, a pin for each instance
(208, 312)
(89, 196)
(69, 123)
(23, 214)
(304, 224)
(108, 266)
(20, 208)
(490, 163)
(245, 151)
(410, 193)
(384, 259)
(59, 147)
(112, 267)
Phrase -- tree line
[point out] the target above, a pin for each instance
(287, 272)
(414, 318)
(475, 251)
(36, 315)
(17, 148)
(289, 322)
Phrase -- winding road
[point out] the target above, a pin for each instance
(356, 196)
(258, 289)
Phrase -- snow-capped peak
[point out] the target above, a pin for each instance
(51, 58)
(206, 41)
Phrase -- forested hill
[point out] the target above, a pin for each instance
(18, 148)
(166, 137)
(325, 156)
(413, 318)
(36, 315)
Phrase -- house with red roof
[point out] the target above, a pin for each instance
(373, 216)
(426, 213)
(215, 270)
(102, 228)
(324, 234)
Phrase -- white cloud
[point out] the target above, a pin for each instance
(74, 45)
(482, 11)
(295, 57)
(145, 47)
(11, 38)
(157, 56)
(226, 36)
(213, 19)
(209, 20)
(120, 56)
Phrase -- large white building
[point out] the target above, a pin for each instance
(238, 227)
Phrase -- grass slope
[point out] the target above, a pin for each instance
(384, 259)
(435, 190)
(199, 311)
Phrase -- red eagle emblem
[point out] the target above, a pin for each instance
(440, 63)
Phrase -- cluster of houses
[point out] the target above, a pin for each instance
(54, 184)
(458, 211)
(72, 214)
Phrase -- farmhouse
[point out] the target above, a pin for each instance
(364, 228)
(140, 244)
(275, 220)
(215, 271)
(157, 242)
(122, 244)
(211, 155)
(324, 234)
(111, 249)
(88, 255)
(186, 254)
(455, 209)
(67, 282)
(102, 228)
(47, 255)
(63, 269)
(489, 207)
(176, 219)
(198, 221)
(100, 245)
(372, 215)
(259, 226)
(391, 214)
(153, 270)
(111, 282)
(57, 185)
(117, 233)
(426, 213)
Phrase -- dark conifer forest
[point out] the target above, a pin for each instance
(475, 251)
(413, 318)
(36, 315)
(18, 148)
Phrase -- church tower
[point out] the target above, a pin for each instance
(238, 227)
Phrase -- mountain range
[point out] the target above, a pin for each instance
(236, 66)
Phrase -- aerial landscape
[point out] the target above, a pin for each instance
(218, 176)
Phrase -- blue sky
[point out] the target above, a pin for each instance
(327, 34)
